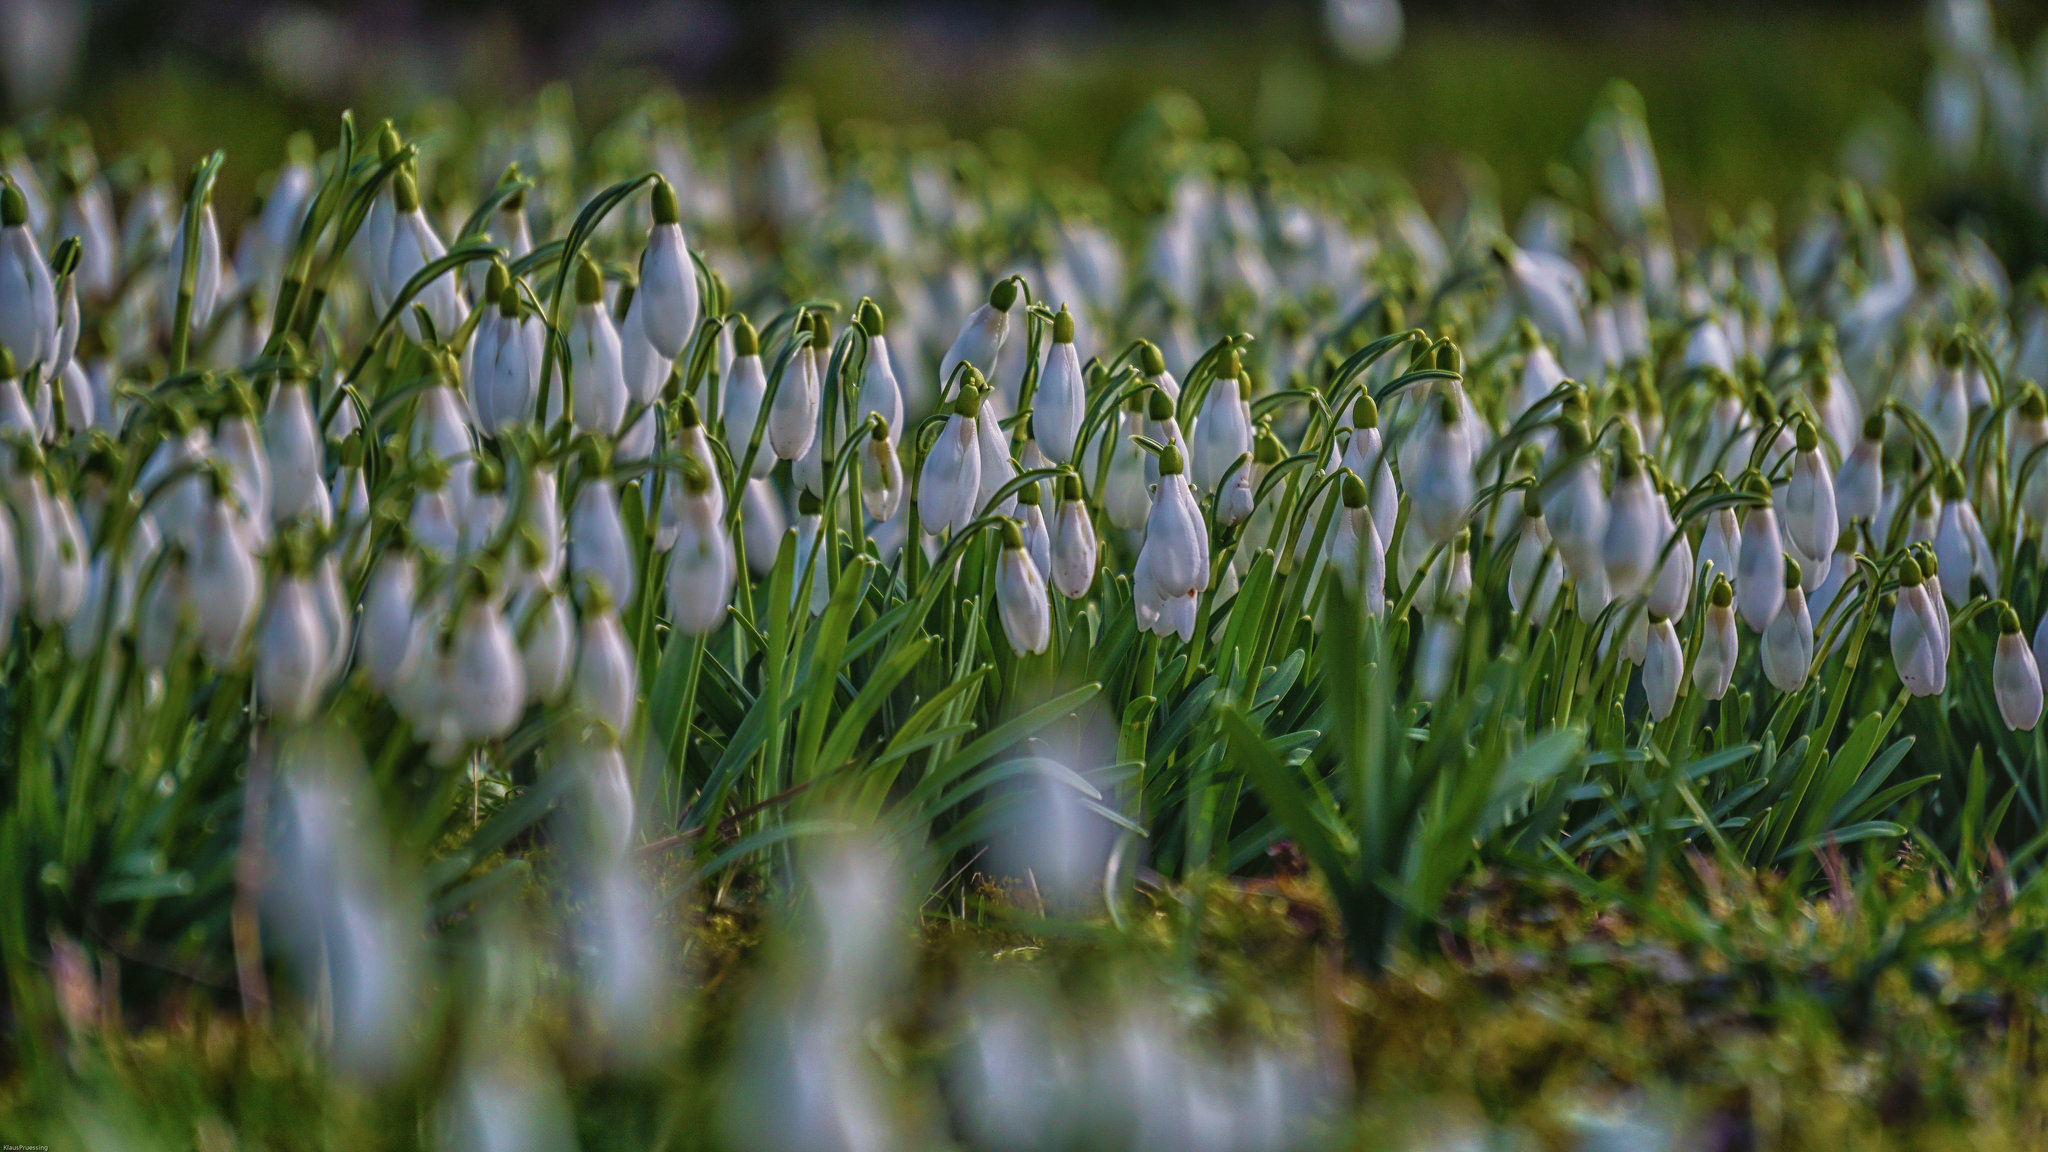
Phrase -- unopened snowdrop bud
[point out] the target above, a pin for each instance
(762, 523)
(997, 469)
(1633, 538)
(240, 448)
(793, 413)
(1758, 591)
(1152, 368)
(1663, 667)
(1671, 591)
(1073, 541)
(604, 687)
(1021, 598)
(1535, 574)
(701, 569)
(291, 651)
(949, 482)
(205, 276)
(1126, 496)
(745, 388)
(28, 295)
(1031, 522)
(598, 549)
(1937, 604)
(1440, 486)
(1222, 431)
(414, 245)
(811, 568)
(1947, 407)
(1173, 564)
(881, 472)
(292, 437)
(1916, 651)
(2029, 433)
(1810, 523)
(1788, 642)
(668, 278)
(225, 585)
(1859, 485)
(1960, 543)
(504, 359)
(547, 646)
(1436, 657)
(597, 372)
(485, 670)
(1366, 455)
(1357, 550)
(880, 394)
(2015, 677)
(981, 338)
(1061, 402)
(1713, 667)
(384, 635)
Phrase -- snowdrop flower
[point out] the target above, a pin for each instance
(1126, 496)
(604, 687)
(1440, 485)
(879, 394)
(1031, 522)
(1810, 523)
(810, 554)
(371, 252)
(1788, 642)
(810, 469)
(291, 650)
(997, 469)
(1959, 542)
(1947, 408)
(1576, 511)
(881, 471)
(668, 278)
(224, 584)
(240, 448)
(1073, 541)
(206, 275)
(981, 338)
(949, 482)
(1173, 565)
(1541, 373)
(1356, 549)
(745, 388)
(1937, 604)
(1839, 570)
(1859, 485)
(793, 413)
(598, 549)
(1917, 647)
(1713, 666)
(435, 520)
(504, 359)
(597, 373)
(761, 525)
(1671, 592)
(292, 439)
(28, 295)
(1535, 574)
(414, 245)
(484, 663)
(547, 645)
(1021, 599)
(1223, 431)
(2028, 434)
(1633, 540)
(2015, 677)
(384, 634)
(1061, 402)
(1549, 289)
(1365, 454)
(1436, 654)
(89, 215)
(16, 417)
(1759, 593)
(1663, 667)
(701, 569)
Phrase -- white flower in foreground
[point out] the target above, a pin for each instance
(1356, 548)
(1173, 565)
(1634, 522)
(1222, 430)
(746, 386)
(1073, 541)
(1021, 599)
(1713, 666)
(2015, 677)
(1671, 592)
(1126, 497)
(414, 246)
(291, 650)
(597, 373)
(880, 394)
(547, 645)
(949, 482)
(224, 588)
(598, 548)
(485, 672)
(1663, 667)
(793, 413)
(881, 471)
(1535, 574)
(668, 278)
(1916, 647)
(1061, 401)
(28, 296)
(1810, 522)
(384, 634)
(2029, 433)
(1031, 522)
(206, 274)
(1758, 589)
(701, 569)
(1859, 484)
(604, 687)
(997, 469)
(1959, 542)
(296, 455)
(980, 339)
(1788, 642)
